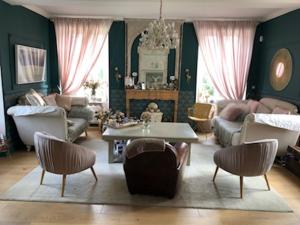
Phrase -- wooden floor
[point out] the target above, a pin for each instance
(33, 213)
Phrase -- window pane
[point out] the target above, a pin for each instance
(205, 90)
(99, 74)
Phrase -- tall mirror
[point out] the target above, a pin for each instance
(153, 67)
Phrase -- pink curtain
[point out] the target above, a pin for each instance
(226, 48)
(79, 44)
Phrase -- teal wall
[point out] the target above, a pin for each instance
(117, 59)
(280, 32)
(22, 26)
(189, 57)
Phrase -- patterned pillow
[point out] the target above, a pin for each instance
(64, 101)
(34, 98)
(22, 100)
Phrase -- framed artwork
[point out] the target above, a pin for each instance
(30, 64)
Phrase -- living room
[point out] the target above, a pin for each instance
(167, 112)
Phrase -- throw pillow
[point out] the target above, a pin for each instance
(263, 109)
(64, 101)
(22, 100)
(34, 98)
(50, 99)
(253, 105)
(278, 110)
(232, 111)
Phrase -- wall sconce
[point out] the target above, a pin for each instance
(118, 76)
(187, 75)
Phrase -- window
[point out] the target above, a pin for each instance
(205, 91)
(100, 73)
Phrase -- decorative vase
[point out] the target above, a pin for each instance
(93, 92)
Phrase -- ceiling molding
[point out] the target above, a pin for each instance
(188, 10)
(37, 10)
(277, 14)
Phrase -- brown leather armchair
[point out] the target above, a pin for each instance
(154, 167)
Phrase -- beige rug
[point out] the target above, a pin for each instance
(197, 189)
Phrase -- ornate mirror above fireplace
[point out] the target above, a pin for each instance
(137, 59)
(153, 67)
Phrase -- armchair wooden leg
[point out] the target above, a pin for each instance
(42, 177)
(63, 185)
(93, 171)
(266, 178)
(86, 134)
(216, 171)
(241, 186)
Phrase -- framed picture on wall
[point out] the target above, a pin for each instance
(30, 64)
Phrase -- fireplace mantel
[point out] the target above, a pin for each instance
(152, 95)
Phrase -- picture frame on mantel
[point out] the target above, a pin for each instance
(30, 63)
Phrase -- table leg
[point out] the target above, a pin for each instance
(111, 151)
(189, 155)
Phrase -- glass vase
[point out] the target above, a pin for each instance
(146, 124)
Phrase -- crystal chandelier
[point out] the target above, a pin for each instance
(159, 35)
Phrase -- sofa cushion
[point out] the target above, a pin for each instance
(78, 127)
(263, 109)
(50, 99)
(232, 111)
(22, 100)
(278, 110)
(253, 104)
(224, 130)
(34, 98)
(273, 103)
(64, 101)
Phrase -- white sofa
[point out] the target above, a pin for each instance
(51, 119)
(259, 125)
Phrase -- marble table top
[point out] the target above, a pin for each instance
(168, 131)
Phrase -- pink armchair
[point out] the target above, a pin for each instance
(60, 157)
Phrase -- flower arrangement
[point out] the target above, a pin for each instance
(146, 117)
(93, 85)
(110, 118)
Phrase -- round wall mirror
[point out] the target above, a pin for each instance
(281, 69)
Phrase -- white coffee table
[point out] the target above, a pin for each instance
(171, 132)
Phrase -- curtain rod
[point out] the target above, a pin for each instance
(185, 20)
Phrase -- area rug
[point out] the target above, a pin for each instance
(197, 189)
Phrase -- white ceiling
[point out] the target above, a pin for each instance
(260, 10)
